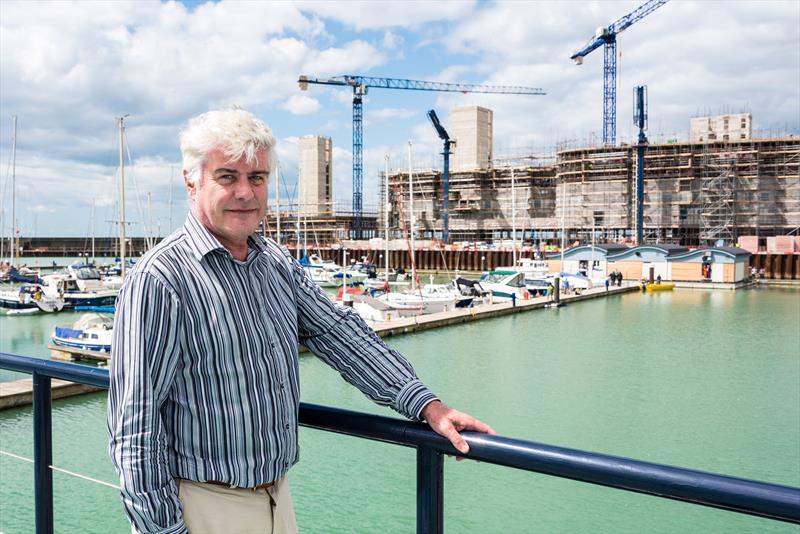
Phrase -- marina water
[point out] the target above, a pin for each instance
(707, 380)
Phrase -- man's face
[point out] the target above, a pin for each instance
(230, 198)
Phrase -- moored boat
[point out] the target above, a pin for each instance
(29, 298)
(91, 331)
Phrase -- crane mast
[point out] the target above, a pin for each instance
(607, 37)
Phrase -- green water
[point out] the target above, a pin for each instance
(700, 379)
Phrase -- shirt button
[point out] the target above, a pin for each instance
(286, 426)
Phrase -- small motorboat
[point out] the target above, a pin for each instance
(91, 332)
(28, 299)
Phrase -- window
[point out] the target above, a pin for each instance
(742, 136)
(764, 196)
(684, 213)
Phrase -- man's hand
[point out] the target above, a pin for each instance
(448, 422)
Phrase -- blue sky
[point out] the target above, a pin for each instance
(67, 69)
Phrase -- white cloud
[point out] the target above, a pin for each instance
(365, 14)
(392, 113)
(355, 57)
(392, 40)
(301, 105)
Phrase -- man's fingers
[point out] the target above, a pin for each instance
(455, 438)
(470, 423)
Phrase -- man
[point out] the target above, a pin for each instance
(204, 392)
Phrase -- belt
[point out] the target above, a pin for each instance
(226, 485)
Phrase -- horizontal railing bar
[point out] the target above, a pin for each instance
(718, 491)
(91, 376)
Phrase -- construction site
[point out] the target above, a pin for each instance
(717, 187)
(696, 193)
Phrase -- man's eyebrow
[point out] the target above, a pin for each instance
(225, 171)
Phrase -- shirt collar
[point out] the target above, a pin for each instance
(202, 241)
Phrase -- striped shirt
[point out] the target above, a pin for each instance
(204, 371)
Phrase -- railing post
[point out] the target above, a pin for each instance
(43, 453)
(430, 491)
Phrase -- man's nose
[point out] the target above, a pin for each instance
(243, 190)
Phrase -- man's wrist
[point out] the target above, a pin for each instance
(433, 404)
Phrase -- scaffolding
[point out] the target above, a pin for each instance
(695, 193)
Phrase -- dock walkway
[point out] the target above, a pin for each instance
(19, 392)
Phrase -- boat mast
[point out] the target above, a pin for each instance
(94, 260)
(411, 216)
(386, 214)
(278, 205)
(14, 192)
(513, 219)
(122, 197)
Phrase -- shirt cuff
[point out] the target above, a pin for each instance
(413, 397)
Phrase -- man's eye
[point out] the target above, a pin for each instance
(258, 178)
(227, 178)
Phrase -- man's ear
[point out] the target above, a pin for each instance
(191, 188)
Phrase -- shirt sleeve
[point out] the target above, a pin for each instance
(341, 338)
(143, 361)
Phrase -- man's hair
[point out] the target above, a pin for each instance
(236, 131)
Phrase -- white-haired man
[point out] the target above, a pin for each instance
(204, 393)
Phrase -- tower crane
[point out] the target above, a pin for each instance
(445, 137)
(607, 36)
(361, 84)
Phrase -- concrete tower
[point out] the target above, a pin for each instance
(472, 130)
(315, 179)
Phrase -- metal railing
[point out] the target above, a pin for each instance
(718, 491)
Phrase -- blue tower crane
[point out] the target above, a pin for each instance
(444, 136)
(608, 36)
(361, 84)
(640, 120)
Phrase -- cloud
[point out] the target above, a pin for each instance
(40, 208)
(301, 105)
(355, 57)
(365, 15)
(392, 40)
(392, 113)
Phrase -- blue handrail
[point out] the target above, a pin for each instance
(718, 491)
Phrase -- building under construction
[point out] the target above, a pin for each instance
(695, 193)
(716, 187)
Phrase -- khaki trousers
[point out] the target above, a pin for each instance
(212, 509)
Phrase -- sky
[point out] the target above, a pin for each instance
(68, 70)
